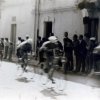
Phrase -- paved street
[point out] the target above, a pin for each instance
(88, 79)
(16, 85)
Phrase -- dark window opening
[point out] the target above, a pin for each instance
(91, 26)
(47, 29)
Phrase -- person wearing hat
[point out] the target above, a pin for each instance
(49, 49)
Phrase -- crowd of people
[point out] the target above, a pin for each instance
(77, 52)
(6, 49)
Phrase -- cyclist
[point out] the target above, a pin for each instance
(26, 47)
(49, 48)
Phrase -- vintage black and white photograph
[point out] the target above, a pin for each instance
(49, 49)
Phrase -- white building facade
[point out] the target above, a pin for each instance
(92, 19)
(17, 19)
(22, 17)
(60, 16)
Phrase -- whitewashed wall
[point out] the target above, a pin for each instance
(22, 10)
(50, 4)
(64, 15)
(61, 12)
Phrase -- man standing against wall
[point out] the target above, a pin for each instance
(6, 46)
(68, 49)
(76, 51)
(82, 54)
(10, 51)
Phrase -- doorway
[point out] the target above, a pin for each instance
(91, 26)
(47, 29)
(13, 35)
(94, 27)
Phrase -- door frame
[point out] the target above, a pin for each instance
(13, 35)
(45, 22)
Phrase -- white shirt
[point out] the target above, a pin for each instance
(18, 42)
(6, 43)
(24, 42)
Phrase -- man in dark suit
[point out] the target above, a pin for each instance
(82, 53)
(76, 51)
(68, 50)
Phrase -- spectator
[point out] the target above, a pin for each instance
(1, 50)
(38, 46)
(68, 49)
(10, 51)
(87, 38)
(41, 53)
(82, 54)
(52, 34)
(2, 42)
(18, 49)
(27, 37)
(92, 45)
(43, 40)
(6, 46)
(76, 51)
(19, 41)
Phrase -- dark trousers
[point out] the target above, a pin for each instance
(24, 60)
(82, 63)
(69, 64)
(96, 62)
(89, 62)
(77, 64)
(19, 53)
(37, 53)
(1, 55)
(6, 52)
(41, 56)
(10, 54)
